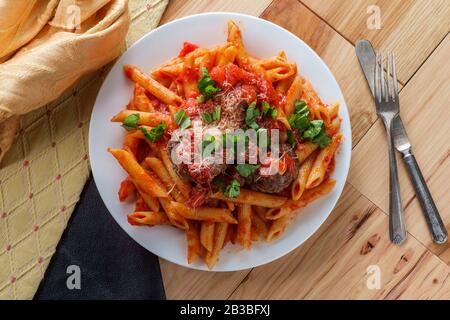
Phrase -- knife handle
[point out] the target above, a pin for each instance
(397, 227)
(431, 213)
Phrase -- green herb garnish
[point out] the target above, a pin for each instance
(233, 189)
(211, 116)
(182, 119)
(200, 99)
(206, 85)
(155, 133)
(130, 122)
(246, 170)
(250, 116)
(291, 138)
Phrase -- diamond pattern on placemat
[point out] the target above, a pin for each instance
(43, 174)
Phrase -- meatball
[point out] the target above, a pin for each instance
(276, 183)
(181, 148)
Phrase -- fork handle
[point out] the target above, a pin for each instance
(431, 213)
(397, 227)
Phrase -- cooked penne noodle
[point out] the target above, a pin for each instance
(304, 150)
(254, 198)
(313, 194)
(322, 161)
(283, 85)
(193, 242)
(260, 226)
(147, 218)
(204, 213)
(278, 227)
(183, 186)
(140, 100)
(126, 189)
(235, 37)
(151, 119)
(158, 168)
(175, 218)
(226, 56)
(334, 126)
(220, 234)
(254, 236)
(277, 213)
(244, 225)
(151, 202)
(294, 93)
(260, 212)
(207, 235)
(299, 184)
(151, 85)
(142, 179)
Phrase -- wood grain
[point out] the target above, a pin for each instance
(337, 53)
(181, 8)
(411, 28)
(333, 263)
(424, 107)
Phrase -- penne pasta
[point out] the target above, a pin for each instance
(313, 194)
(278, 227)
(193, 242)
(183, 186)
(322, 161)
(304, 150)
(244, 226)
(207, 235)
(140, 100)
(204, 213)
(151, 85)
(141, 179)
(147, 218)
(175, 218)
(299, 184)
(220, 234)
(151, 119)
(254, 198)
(259, 226)
(158, 168)
(294, 93)
(126, 189)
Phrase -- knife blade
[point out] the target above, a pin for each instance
(366, 57)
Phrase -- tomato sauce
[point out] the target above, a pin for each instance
(187, 47)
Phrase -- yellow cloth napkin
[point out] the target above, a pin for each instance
(44, 51)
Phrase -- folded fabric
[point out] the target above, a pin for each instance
(110, 264)
(46, 46)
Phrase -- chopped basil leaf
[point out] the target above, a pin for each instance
(206, 85)
(216, 113)
(291, 138)
(245, 170)
(300, 106)
(314, 129)
(322, 139)
(265, 107)
(207, 117)
(233, 189)
(212, 116)
(182, 119)
(130, 122)
(274, 113)
(155, 133)
(200, 98)
(250, 116)
(208, 140)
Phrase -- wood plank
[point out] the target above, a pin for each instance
(425, 112)
(181, 8)
(333, 263)
(411, 28)
(337, 53)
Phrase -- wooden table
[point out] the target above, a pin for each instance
(333, 264)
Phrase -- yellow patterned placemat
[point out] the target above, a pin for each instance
(43, 174)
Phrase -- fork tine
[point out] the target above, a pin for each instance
(377, 78)
(382, 82)
(394, 76)
(389, 97)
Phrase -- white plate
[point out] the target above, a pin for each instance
(262, 39)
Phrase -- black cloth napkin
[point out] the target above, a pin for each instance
(111, 264)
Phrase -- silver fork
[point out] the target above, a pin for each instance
(387, 105)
